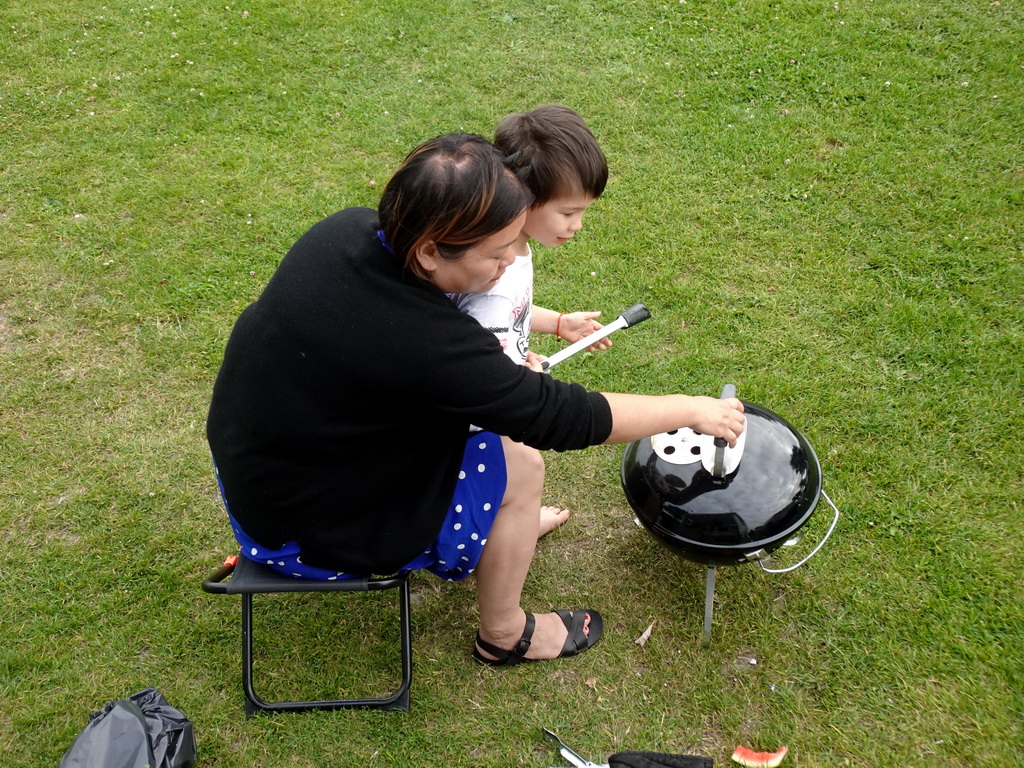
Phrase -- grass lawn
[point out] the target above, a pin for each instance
(821, 202)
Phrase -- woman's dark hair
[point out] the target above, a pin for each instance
(454, 191)
(553, 152)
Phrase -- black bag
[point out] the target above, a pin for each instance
(657, 760)
(142, 731)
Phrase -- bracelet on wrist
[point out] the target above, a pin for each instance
(558, 325)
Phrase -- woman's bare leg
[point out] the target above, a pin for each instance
(506, 559)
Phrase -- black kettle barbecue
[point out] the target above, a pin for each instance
(717, 505)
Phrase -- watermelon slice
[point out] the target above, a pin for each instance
(752, 759)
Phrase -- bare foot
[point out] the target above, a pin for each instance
(549, 636)
(551, 518)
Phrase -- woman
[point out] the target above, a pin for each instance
(339, 418)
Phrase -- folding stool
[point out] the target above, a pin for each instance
(248, 577)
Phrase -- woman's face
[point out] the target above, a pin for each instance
(480, 266)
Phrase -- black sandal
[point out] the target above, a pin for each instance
(577, 642)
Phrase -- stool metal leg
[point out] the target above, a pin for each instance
(401, 696)
(397, 701)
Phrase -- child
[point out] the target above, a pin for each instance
(558, 159)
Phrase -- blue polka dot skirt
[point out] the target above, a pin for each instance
(458, 546)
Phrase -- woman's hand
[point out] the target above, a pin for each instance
(573, 326)
(721, 418)
(533, 362)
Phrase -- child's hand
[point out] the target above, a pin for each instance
(533, 362)
(573, 326)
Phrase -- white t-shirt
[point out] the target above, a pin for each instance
(505, 309)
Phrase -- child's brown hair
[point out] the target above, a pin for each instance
(553, 152)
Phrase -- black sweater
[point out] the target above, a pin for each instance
(340, 413)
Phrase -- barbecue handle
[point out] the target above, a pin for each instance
(729, 390)
(718, 469)
(828, 533)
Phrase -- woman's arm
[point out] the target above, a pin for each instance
(637, 416)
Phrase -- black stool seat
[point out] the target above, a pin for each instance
(245, 577)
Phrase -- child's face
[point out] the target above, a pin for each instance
(557, 220)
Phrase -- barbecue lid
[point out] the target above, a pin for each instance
(770, 489)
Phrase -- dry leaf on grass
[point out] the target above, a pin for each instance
(645, 636)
